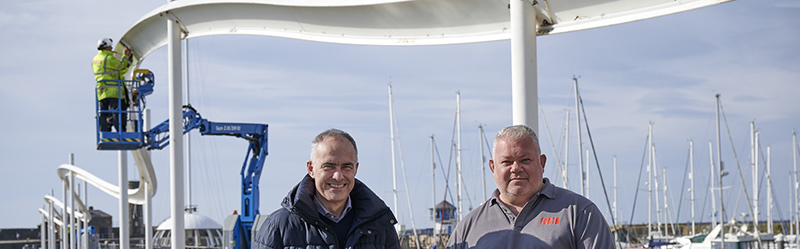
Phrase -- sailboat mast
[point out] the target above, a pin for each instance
(769, 192)
(713, 182)
(616, 234)
(691, 177)
(394, 169)
(578, 118)
(433, 193)
(796, 186)
(458, 155)
(655, 182)
(587, 173)
(483, 163)
(649, 179)
(566, 149)
(719, 172)
(754, 165)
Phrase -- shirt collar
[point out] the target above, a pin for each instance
(548, 190)
(324, 211)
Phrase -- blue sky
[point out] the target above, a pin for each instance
(664, 70)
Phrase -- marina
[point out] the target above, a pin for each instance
(300, 87)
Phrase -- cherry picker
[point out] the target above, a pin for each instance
(237, 228)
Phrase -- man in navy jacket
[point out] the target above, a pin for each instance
(329, 208)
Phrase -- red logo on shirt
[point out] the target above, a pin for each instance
(550, 221)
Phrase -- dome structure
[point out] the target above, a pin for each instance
(201, 232)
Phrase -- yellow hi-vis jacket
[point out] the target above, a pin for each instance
(106, 67)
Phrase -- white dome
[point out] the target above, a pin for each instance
(191, 221)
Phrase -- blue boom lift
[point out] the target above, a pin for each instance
(238, 229)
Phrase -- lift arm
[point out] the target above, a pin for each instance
(256, 134)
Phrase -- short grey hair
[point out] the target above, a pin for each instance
(332, 133)
(518, 131)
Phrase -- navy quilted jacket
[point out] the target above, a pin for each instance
(298, 225)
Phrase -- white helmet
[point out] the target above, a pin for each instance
(103, 43)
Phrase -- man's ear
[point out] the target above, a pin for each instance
(310, 168)
(542, 160)
(356, 169)
(491, 165)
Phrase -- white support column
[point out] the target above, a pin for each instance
(63, 236)
(42, 235)
(51, 232)
(70, 222)
(175, 134)
(86, 216)
(124, 216)
(148, 206)
(524, 92)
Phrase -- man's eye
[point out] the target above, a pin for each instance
(526, 161)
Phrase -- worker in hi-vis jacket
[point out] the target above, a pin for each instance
(107, 70)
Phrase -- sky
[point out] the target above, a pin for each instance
(665, 71)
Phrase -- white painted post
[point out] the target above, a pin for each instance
(51, 232)
(124, 216)
(148, 206)
(175, 134)
(524, 92)
(70, 222)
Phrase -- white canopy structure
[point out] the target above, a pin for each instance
(378, 22)
(385, 22)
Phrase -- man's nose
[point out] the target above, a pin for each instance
(337, 174)
(515, 167)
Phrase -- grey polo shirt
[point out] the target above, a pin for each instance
(553, 218)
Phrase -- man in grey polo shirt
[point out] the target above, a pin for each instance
(526, 210)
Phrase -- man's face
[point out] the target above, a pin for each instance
(517, 168)
(334, 169)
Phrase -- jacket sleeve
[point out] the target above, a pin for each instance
(392, 242)
(269, 236)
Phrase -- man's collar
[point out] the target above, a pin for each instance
(324, 211)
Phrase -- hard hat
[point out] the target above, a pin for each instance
(105, 42)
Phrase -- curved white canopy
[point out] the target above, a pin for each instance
(136, 196)
(385, 22)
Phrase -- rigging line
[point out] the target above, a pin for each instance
(780, 212)
(738, 167)
(597, 163)
(449, 164)
(405, 180)
(705, 200)
(552, 144)
(683, 186)
(769, 178)
(636, 193)
(671, 201)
